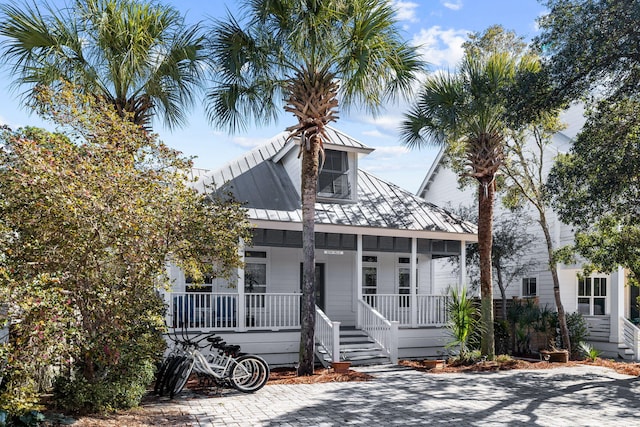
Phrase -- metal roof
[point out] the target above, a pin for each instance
(260, 181)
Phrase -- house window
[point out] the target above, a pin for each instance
(255, 276)
(333, 179)
(529, 287)
(592, 295)
(404, 282)
(369, 279)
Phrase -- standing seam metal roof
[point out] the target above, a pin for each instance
(270, 195)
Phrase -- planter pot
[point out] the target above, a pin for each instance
(433, 364)
(560, 356)
(340, 367)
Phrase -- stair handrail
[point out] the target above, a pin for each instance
(631, 337)
(381, 330)
(327, 334)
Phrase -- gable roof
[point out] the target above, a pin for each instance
(260, 180)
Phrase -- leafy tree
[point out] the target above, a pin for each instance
(595, 187)
(90, 218)
(136, 55)
(465, 112)
(510, 247)
(311, 54)
(593, 47)
(526, 172)
(593, 50)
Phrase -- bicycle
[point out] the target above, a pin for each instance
(225, 366)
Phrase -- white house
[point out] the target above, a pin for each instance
(376, 247)
(603, 298)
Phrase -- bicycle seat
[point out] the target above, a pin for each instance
(214, 340)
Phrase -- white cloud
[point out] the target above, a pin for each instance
(247, 142)
(405, 10)
(375, 133)
(453, 5)
(441, 48)
(395, 150)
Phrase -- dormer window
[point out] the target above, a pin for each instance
(333, 180)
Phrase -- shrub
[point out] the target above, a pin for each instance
(463, 314)
(578, 332)
(589, 351)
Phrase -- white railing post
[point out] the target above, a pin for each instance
(393, 343)
(358, 280)
(413, 282)
(241, 321)
(335, 357)
(636, 344)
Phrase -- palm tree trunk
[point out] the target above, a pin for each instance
(553, 267)
(310, 160)
(486, 196)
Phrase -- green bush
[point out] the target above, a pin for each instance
(502, 337)
(464, 324)
(578, 332)
(120, 388)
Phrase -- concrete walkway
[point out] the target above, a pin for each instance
(568, 396)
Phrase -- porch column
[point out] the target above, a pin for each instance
(358, 277)
(241, 321)
(617, 304)
(463, 264)
(413, 282)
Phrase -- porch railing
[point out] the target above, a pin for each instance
(206, 310)
(631, 336)
(327, 334)
(431, 309)
(381, 330)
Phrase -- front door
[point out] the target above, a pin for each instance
(320, 295)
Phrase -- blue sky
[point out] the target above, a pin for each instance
(439, 26)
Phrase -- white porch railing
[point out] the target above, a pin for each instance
(327, 334)
(206, 310)
(381, 330)
(431, 309)
(631, 336)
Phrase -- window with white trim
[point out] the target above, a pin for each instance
(403, 277)
(333, 179)
(255, 275)
(529, 287)
(369, 278)
(592, 295)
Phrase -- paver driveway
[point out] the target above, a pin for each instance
(569, 396)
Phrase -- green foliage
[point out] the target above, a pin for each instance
(357, 43)
(589, 351)
(463, 314)
(593, 47)
(137, 55)
(502, 336)
(122, 387)
(594, 187)
(89, 219)
(578, 332)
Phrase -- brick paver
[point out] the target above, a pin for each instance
(568, 396)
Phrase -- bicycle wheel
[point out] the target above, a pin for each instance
(169, 375)
(182, 376)
(162, 371)
(249, 373)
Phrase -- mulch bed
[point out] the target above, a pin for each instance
(620, 367)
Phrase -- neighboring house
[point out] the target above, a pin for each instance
(376, 246)
(604, 299)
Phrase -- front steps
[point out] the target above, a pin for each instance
(617, 351)
(356, 347)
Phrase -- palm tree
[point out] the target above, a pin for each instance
(465, 112)
(136, 55)
(304, 55)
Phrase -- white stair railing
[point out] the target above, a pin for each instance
(631, 336)
(381, 330)
(327, 334)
